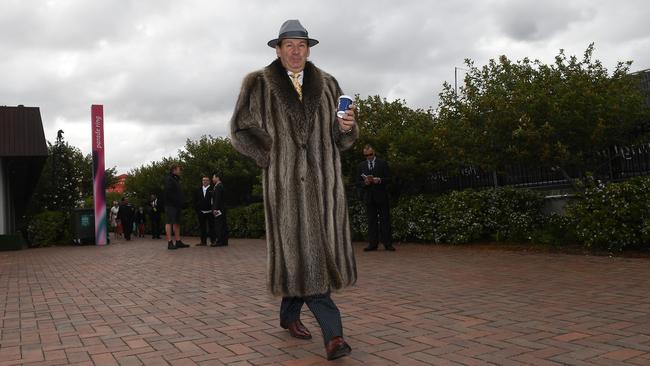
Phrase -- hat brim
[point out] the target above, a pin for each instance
(274, 42)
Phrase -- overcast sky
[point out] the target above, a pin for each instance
(166, 71)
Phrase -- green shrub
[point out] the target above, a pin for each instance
(555, 230)
(189, 222)
(501, 214)
(510, 214)
(613, 216)
(247, 221)
(459, 217)
(413, 219)
(358, 219)
(49, 228)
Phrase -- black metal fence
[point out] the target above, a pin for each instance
(614, 164)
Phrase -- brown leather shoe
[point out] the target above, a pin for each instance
(297, 330)
(337, 348)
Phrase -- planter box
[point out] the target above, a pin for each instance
(12, 242)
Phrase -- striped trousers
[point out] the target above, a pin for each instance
(325, 311)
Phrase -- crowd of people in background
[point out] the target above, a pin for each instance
(126, 220)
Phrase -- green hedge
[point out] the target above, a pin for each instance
(49, 228)
(412, 219)
(614, 216)
(502, 214)
(247, 221)
(243, 221)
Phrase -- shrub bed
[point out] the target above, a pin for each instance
(49, 228)
(614, 216)
(501, 214)
(247, 221)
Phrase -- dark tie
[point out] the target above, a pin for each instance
(372, 165)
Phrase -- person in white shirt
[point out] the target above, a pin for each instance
(114, 221)
(203, 206)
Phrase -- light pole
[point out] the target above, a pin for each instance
(456, 78)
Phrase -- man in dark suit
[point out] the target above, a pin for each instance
(219, 211)
(154, 214)
(125, 215)
(203, 206)
(373, 176)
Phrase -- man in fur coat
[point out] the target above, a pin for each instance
(285, 119)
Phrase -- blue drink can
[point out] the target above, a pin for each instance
(344, 105)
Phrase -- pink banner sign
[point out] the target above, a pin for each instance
(99, 193)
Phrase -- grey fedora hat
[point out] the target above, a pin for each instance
(292, 29)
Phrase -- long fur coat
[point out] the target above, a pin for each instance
(298, 145)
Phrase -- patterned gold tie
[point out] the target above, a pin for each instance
(295, 78)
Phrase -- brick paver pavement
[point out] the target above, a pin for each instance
(137, 303)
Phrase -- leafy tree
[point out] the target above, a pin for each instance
(556, 115)
(400, 135)
(216, 154)
(86, 169)
(66, 179)
(202, 157)
(148, 179)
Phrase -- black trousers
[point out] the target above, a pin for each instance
(379, 223)
(155, 227)
(325, 311)
(206, 226)
(127, 226)
(221, 228)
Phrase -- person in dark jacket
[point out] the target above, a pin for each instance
(203, 207)
(125, 215)
(373, 175)
(174, 202)
(219, 211)
(155, 209)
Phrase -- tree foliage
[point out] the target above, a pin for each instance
(400, 135)
(66, 180)
(201, 157)
(533, 113)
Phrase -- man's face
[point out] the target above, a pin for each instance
(293, 53)
(369, 154)
(205, 181)
(177, 171)
(215, 180)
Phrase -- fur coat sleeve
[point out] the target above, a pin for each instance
(246, 128)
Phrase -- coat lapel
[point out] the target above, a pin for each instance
(312, 91)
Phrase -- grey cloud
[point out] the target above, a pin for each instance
(529, 20)
(167, 71)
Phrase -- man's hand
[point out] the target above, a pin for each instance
(369, 180)
(346, 124)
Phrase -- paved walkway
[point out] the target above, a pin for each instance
(137, 303)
